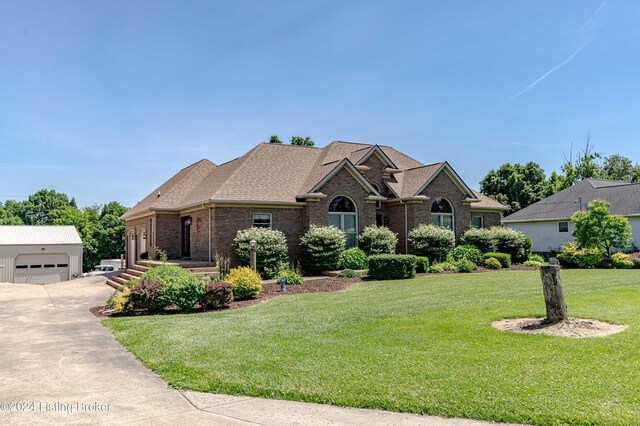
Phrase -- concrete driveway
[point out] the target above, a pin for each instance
(58, 364)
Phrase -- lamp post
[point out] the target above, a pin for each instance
(253, 248)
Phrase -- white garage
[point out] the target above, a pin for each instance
(39, 254)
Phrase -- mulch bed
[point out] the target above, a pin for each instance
(270, 290)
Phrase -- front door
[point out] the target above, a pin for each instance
(186, 237)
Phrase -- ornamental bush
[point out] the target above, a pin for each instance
(292, 275)
(481, 238)
(492, 263)
(465, 265)
(392, 266)
(442, 267)
(321, 248)
(635, 259)
(512, 242)
(422, 264)
(271, 250)
(533, 263)
(621, 261)
(119, 300)
(144, 295)
(468, 252)
(179, 286)
(246, 283)
(574, 257)
(536, 258)
(348, 273)
(378, 240)
(432, 241)
(216, 295)
(503, 258)
(353, 258)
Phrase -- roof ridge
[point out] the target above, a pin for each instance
(424, 165)
(243, 158)
(199, 161)
(288, 145)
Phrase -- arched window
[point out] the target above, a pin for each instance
(442, 213)
(343, 215)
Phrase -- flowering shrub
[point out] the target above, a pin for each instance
(480, 238)
(321, 248)
(271, 250)
(432, 241)
(378, 240)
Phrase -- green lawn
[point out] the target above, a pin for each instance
(423, 346)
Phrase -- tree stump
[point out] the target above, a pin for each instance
(553, 293)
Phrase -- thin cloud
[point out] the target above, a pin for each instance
(548, 73)
(593, 15)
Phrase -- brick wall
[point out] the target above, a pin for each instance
(489, 218)
(168, 234)
(229, 220)
(199, 234)
(443, 186)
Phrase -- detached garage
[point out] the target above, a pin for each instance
(39, 254)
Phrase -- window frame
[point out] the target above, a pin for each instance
(342, 215)
(440, 216)
(481, 221)
(253, 220)
(561, 231)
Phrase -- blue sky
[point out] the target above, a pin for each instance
(106, 100)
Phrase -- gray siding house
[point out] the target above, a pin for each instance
(548, 222)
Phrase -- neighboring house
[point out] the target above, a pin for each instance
(548, 222)
(197, 212)
(39, 254)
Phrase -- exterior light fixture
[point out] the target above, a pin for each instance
(144, 235)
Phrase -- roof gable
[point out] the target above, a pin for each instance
(349, 167)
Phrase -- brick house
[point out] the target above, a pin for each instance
(197, 212)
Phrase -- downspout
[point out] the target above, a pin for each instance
(209, 234)
(406, 229)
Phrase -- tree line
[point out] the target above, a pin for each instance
(100, 228)
(518, 186)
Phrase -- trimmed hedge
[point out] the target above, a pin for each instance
(422, 264)
(271, 250)
(179, 286)
(500, 239)
(321, 248)
(353, 258)
(503, 258)
(378, 240)
(432, 241)
(468, 252)
(392, 266)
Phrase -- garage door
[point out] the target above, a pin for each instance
(41, 268)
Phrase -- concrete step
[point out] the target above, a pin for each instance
(119, 280)
(212, 270)
(140, 268)
(127, 276)
(114, 284)
(134, 272)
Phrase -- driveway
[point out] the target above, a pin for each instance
(58, 364)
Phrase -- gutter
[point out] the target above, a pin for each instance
(406, 228)
(209, 234)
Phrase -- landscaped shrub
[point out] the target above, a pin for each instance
(482, 238)
(492, 263)
(392, 266)
(503, 258)
(270, 253)
(442, 267)
(217, 295)
(575, 257)
(533, 263)
(144, 295)
(348, 273)
(465, 265)
(119, 301)
(321, 248)
(422, 264)
(432, 241)
(468, 252)
(246, 283)
(292, 275)
(621, 261)
(378, 240)
(536, 258)
(353, 258)
(512, 242)
(179, 286)
(635, 259)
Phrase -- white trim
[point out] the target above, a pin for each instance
(481, 220)
(452, 214)
(343, 214)
(551, 219)
(253, 219)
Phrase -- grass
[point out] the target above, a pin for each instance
(423, 346)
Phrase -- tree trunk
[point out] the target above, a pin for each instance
(553, 293)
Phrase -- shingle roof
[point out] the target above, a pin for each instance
(486, 202)
(408, 182)
(624, 198)
(172, 193)
(43, 234)
(272, 173)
